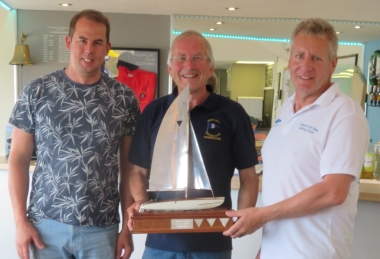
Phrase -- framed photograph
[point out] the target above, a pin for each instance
(287, 86)
(137, 68)
(279, 85)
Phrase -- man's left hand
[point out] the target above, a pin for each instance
(124, 242)
(249, 220)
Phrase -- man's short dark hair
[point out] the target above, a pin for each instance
(90, 15)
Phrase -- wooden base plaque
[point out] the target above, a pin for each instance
(212, 220)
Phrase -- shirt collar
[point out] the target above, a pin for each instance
(210, 101)
(328, 96)
(325, 99)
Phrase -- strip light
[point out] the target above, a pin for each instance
(6, 7)
(239, 37)
(253, 38)
(268, 19)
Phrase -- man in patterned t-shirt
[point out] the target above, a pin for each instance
(77, 119)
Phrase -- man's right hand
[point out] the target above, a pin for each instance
(25, 235)
(131, 210)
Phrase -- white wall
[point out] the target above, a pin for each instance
(8, 41)
(7, 227)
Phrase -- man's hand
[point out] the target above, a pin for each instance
(124, 242)
(25, 235)
(249, 220)
(131, 210)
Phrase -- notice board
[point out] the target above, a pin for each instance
(253, 106)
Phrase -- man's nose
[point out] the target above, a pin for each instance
(307, 64)
(89, 47)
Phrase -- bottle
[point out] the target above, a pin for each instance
(376, 171)
(369, 163)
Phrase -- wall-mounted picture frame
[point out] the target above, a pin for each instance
(288, 88)
(138, 68)
(279, 85)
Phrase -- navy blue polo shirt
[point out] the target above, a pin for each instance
(224, 134)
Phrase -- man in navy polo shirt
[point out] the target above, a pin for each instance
(229, 144)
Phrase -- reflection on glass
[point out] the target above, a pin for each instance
(350, 78)
(344, 72)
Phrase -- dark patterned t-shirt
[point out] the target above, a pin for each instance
(78, 130)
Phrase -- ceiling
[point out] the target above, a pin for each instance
(254, 18)
(209, 11)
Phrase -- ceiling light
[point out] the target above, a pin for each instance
(357, 27)
(338, 32)
(212, 29)
(6, 7)
(219, 23)
(338, 76)
(231, 8)
(253, 38)
(344, 74)
(255, 62)
(65, 5)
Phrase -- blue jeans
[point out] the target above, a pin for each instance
(64, 241)
(151, 253)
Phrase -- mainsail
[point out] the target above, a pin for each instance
(177, 162)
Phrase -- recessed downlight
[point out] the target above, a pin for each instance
(358, 27)
(231, 8)
(338, 32)
(219, 23)
(212, 29)
(65, 4)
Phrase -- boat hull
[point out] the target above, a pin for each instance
(183, 204)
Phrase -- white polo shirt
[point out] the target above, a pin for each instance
(329, 136)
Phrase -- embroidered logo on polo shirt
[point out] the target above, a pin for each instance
(213, 129)
(308, 128)
(277, 122)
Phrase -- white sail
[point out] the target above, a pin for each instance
(177, 162)
(198, 178)
(170, 155)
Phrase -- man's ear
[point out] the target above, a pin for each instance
(68, 42)
(334, 63)
(108, 47)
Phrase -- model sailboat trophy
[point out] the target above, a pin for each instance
(177, 165)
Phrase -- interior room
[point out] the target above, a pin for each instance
(251, 50)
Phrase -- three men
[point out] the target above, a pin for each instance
(231, 146)
(312, 158)
(78, 119)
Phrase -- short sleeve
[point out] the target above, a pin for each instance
(245, 154)
(23, 112)
(346, 146)
(132, 115)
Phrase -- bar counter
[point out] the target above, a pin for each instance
(369, 189)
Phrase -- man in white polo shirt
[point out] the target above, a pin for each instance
(312, 157)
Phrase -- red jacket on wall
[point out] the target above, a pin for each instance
(142, 82)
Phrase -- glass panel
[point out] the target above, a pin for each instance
(344, 72)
